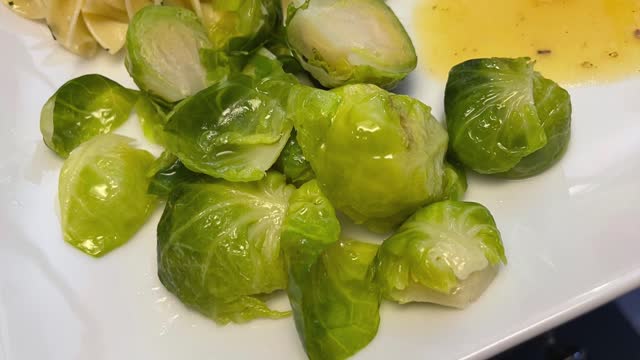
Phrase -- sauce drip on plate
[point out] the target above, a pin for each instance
(572, 41)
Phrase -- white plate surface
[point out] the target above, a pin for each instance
(571, 237)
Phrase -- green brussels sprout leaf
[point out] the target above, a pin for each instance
(239, 25)
(293, 164)
(455, 182)
(500, 112)
(167, 172)
(219, 246)
(334, 299)
(103, 193)
(234, 130)
(82, 108)
(377, 156)
(152, 118)
(435, 253)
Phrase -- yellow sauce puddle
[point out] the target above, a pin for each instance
(572, 41)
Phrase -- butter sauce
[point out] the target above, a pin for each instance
(572, 41)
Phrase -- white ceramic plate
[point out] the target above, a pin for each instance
(571, 237)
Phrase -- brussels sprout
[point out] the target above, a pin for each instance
(293, 164)
(239, 25)
(334, 299)
(344, 42)
(163, 52)
(554, 110)
(447, 253)
(219, 64)
(455, 182)
(377, 156)
(234, 130)
(152, 119)
(167, 172)
(501, 113)
(83, 108)
(103, 193)
(219, 246)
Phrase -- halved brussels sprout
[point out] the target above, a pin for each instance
(167, 172)
(334, 299)
(234, 130)
(446, 253)
(357, 41)
(455, 182)
(293, 164)
(83, 108)
(238, 25)
(103, 193)
(501, 113)
(377, 156)
(219, 246)
(163, 52)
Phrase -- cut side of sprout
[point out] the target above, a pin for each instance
(466, 292)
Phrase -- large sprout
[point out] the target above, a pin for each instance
(219, 246)
(350, 41)
(377, 156)
(505, 118)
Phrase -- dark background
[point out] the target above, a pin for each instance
(611, 332)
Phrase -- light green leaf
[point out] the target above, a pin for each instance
(167, 172)
(455, 182)
(293, 164)
(377, 156)
(437, 250)
(234, 130)
(152, 119)
(239, 25)
(103, 193)
(219, 246)
(334, 299)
